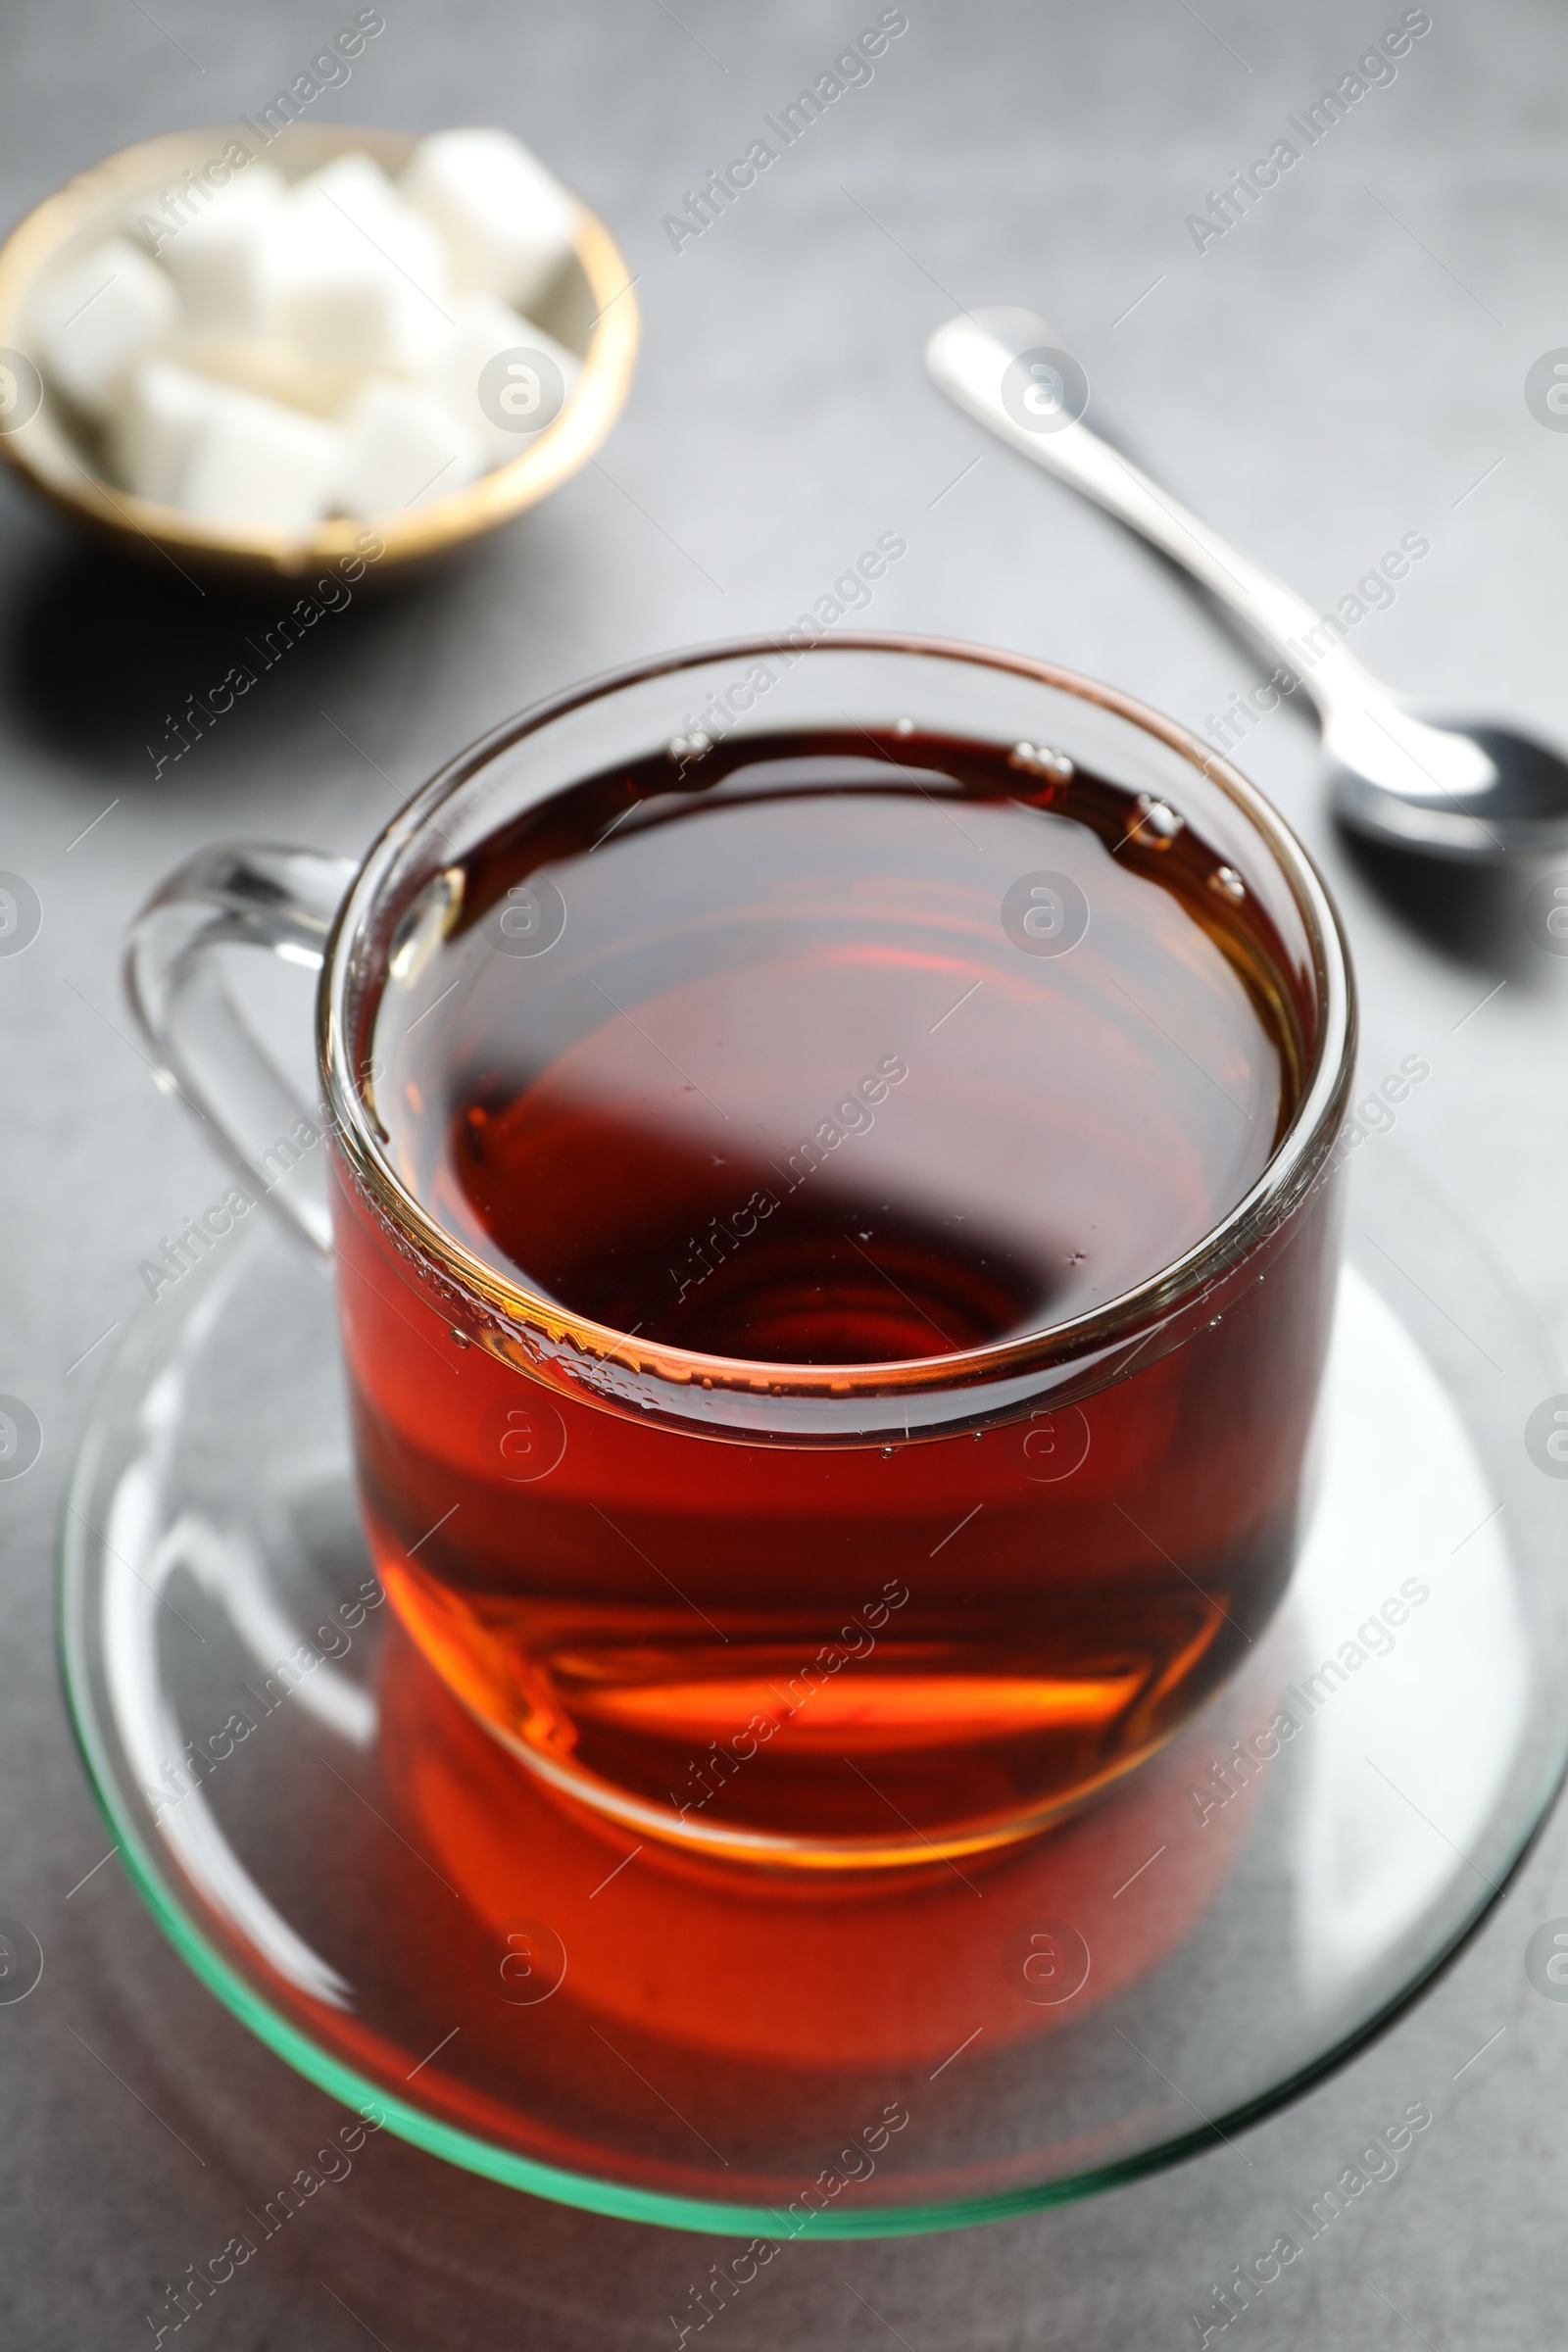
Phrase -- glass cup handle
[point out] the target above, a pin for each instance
(203, 1049)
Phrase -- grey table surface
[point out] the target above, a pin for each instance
(1344, 367)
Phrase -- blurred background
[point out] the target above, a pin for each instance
(1343, 368)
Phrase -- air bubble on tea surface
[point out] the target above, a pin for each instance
(1040, 761)
(1157, 821)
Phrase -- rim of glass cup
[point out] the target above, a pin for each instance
(1291, 1171)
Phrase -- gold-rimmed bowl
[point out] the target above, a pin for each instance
(590, 308)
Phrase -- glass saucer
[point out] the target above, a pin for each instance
(402, 1913)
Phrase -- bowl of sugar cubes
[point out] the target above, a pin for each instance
(255, 352)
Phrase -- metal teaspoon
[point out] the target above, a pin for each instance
(1469, 792)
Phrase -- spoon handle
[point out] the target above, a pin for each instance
(973, 359)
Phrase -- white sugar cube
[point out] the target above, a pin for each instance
(352, 294)
(270, 368)
(507, 220)
(356, 185)
(98, 316)
(403, 447)
(507, 404)
(216, 256)
(258, 466)
(154, 429)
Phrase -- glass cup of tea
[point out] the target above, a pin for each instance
(827, 1154)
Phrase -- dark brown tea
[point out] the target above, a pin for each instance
(834, 1050)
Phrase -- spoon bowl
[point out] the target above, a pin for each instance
(1520, 810)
